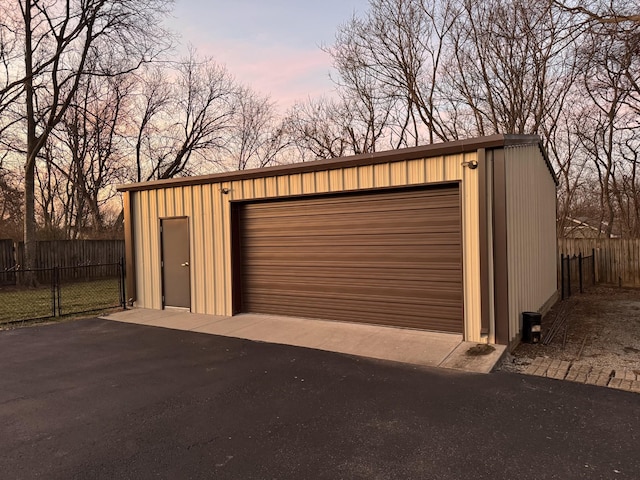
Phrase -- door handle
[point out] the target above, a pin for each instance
(185, 264)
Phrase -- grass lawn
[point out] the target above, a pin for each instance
(25, 304)
(76, 297)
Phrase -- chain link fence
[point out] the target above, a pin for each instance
(44, 293)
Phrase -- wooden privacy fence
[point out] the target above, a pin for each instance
(617, 261)
(7, 260)
(62, 253)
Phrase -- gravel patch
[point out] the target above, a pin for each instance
(601, 330)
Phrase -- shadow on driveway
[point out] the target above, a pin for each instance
(100, 399)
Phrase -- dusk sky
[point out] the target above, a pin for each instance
(271, 45)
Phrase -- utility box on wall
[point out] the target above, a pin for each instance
(531, 327)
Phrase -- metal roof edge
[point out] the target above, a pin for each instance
(411, 153)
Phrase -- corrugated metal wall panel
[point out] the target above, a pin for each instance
(208, 260)
(167, 202)
(471, 256)
(213, 262)
(453, 166)
(435, 169)
(149, 251)
(322, 182)
(282, 185)
(416, 171)
(350, 178)
(531, 233)
(295, 184)
(143, 281)
(155, 254)
(198, 275)
(247, 187)
(259, 189)
(365, 177)
(336, 180)
(381, 174)
(490, 259)
(219, 249)
(398, 174)
(309, 183)
(141, 207)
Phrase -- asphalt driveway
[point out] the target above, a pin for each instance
(100, 399)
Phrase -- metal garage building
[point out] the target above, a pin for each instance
(454, 237)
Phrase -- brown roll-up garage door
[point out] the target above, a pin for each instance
(387, 257)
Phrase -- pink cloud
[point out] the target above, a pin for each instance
(286, 74)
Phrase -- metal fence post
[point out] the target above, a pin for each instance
(123, 293)
(580, 270)
(562, 276)
(56, 277)
(53, 293)
(568, 276)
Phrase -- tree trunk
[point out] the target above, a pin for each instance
(30, 164)
(29, 219)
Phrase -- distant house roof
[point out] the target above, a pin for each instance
(582, 228)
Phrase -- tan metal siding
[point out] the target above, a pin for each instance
(471, 252)
(208, 271)
(350, 178)
(391, 257)
(381, 174)
(416, 172)
(146, 231)
(398, 174)
(222, 248)
(197, 248)
(531, 233)
(259, 189)
(211, 263)
(336, 180)
(489, 253)
(435, 169)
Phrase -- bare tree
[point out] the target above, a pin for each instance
(513, 64)
(421, 70)
(437, 69)
(390, 62)
(199, 114)
(256, 137)
(572, 169)
(318, 127)
(614, 12)
(151, 100)
(10, 92)
(91, 136)
(609, 127)
(10, 204)
(56, 40)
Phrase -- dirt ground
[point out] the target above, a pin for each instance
(598, 328)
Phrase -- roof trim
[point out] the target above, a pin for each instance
(432, 150)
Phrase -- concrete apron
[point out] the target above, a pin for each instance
(415, 347)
